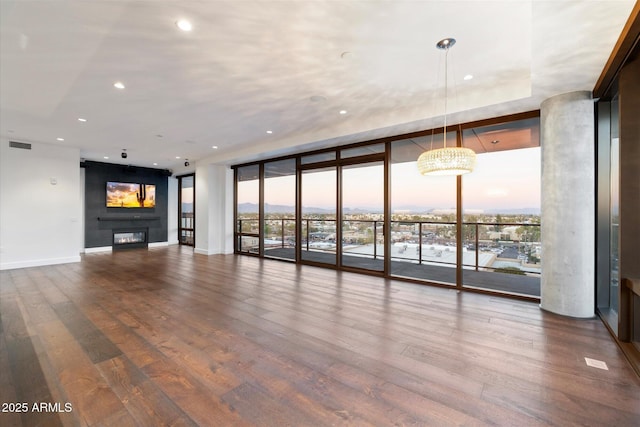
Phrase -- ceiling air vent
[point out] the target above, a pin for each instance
(23, 145)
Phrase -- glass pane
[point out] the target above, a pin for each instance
(280, 209)
(363, 216)
(423, 215)
(132, 237)
(501, 234)
(614, 273)
(248, 209)
(186, 237)
(319, 215)
(249, 173)
(362, 151)
(609, 293)
(186, 198)
(316, 158)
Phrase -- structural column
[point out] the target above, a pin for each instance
(568, 204)
(214, 209)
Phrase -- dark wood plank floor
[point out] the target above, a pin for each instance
(165, 337)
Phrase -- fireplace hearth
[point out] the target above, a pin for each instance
(130, 239)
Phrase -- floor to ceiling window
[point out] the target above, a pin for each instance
(614, 213)
(319, 215)
(186, 210)
(501, 208)
(279, 237)
(363, 216)
(248, 209)
(423, 214)
(608, 278)
(366, 207)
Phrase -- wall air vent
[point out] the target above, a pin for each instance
(23, 145)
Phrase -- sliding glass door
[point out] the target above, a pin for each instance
(279, 224)
(319, 215)
(247, 232)
(362, 216)
(423, 215)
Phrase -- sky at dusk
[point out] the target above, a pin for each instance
(501, 180)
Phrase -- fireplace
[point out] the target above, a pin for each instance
(130, 238)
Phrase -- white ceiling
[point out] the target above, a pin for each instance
(249, 67)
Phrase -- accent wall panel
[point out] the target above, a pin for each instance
(100, 220)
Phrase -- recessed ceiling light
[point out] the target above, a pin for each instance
(269, 131)
(343, 111)
(468, 77)
(105, 157)
(177, 157)
(118, 85)
(215, 147)
(184, 25)
(155, 164)
(60, 139)
(80, 119)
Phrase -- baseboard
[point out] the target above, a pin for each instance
(98, 249)
(158, 244)
(174, 242)
(206, 252)
(38, 262)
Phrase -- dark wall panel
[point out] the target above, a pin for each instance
(629, 86)
(101, 220)
(629, 169)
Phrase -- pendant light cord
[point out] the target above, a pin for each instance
(446, 63)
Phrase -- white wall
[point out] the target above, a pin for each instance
(172, 214)
(40, 222)
(202, 209)
(214, 210)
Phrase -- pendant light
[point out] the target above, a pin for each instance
(446, 160)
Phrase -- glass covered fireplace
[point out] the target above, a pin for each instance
(128, 239)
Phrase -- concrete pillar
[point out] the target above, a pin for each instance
(568, 204)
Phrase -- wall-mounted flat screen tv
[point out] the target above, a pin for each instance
(128, 195)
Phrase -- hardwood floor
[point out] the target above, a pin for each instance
(165, 337)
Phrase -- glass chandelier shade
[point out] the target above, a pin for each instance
(446, 160)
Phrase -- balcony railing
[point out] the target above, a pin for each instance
(186, 231)
(421, 242)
